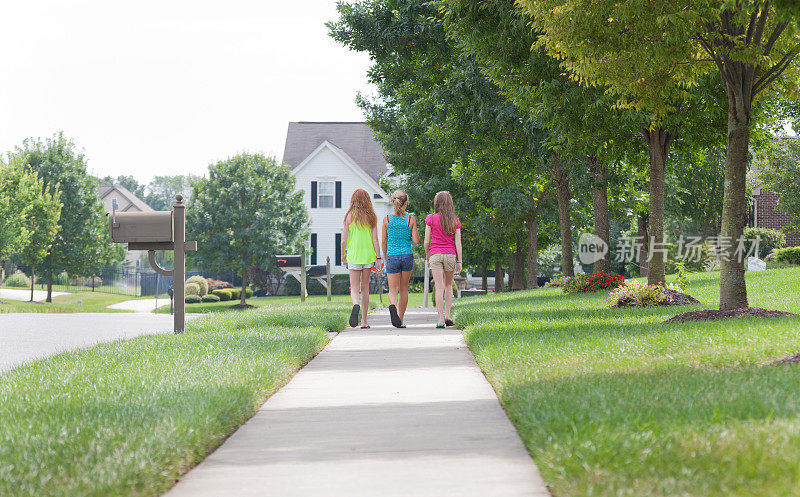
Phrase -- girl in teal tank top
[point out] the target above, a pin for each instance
(399, 232)
(361, 251)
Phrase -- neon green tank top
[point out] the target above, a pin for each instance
(359, 244)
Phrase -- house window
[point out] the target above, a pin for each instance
(326, 191)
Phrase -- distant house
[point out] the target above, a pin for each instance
(329, 161)
(126, 202)
(766, 214)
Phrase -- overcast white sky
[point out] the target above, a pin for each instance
(166, 87)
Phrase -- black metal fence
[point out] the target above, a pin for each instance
(134, 281)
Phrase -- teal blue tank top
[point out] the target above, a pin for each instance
(399, 235)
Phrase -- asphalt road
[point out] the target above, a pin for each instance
(28, 336)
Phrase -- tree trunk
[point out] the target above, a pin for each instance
(600, 206)
(49, 278)
(561, 180)
(245, 273)
(499, 284)
(732, 287)
(658, 143)
(484, 278)
(518, 263)
(533, 249)
(641, 221)
(33, 277)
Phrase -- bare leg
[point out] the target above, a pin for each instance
(364, 295)
(405, 277)
(438, 282)
(394, 287)
(355, 285)
(448, 293)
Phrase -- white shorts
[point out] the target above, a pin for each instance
(359, 267)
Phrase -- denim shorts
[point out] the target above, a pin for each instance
(397, 263)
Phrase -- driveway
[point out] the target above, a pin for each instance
(28, 336)
(14, 294)
(139, 305)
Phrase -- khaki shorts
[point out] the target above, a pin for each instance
(443, 261)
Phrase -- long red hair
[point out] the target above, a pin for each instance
(361, 210)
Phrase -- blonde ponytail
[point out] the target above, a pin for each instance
(400, 202)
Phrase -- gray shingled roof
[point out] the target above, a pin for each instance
(135, 201)
(355, 139)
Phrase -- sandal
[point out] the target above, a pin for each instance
(395, 317)
(449, 322)
(354, 315)
(440, 326)
(365, 327)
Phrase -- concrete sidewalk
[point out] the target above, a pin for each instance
(380, 412)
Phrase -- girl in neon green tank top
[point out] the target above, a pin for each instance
(361, 251)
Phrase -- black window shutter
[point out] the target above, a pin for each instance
(338, 194)
(338, 249)
(313, 248)
(313, 194)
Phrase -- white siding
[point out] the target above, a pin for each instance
(326, 222)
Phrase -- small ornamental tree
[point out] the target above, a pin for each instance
(16, 187)
(244, 213)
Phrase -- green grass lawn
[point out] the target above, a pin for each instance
(127, 418)
(375, 301)
(73, 302)
(610, 402)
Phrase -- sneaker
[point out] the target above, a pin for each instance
(354, 316)
(396, 321)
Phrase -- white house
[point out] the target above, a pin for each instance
(330, 160)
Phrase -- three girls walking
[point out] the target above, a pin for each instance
(362, 253)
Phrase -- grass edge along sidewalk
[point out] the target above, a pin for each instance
(610, 402)
(129, 417)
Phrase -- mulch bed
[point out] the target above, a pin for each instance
(243, 306)
(792, 359)
(742, 312)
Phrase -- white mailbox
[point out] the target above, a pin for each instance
(138, 227)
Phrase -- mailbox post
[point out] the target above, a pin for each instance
(160, 230)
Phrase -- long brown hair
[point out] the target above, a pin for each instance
(400, 202)
(443, 204)
(361, 210)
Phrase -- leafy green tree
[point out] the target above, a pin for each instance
(654, 53)
(244, 213)
(161, 190)
(436, 113)
(82, 243)
(779, 169)
(17, 187)
(42, 223)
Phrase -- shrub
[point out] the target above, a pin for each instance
(635, 294)
(223, 294)
(62, 279)
(86, 281)
(557, 281)
(18, 280)
(769, 240)
(217, 284)
(210, 298)
(192, 289)
(593, 282)
(788, 254)
(249, 292)
(201, 283)
(236, 293)
(193, 299)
